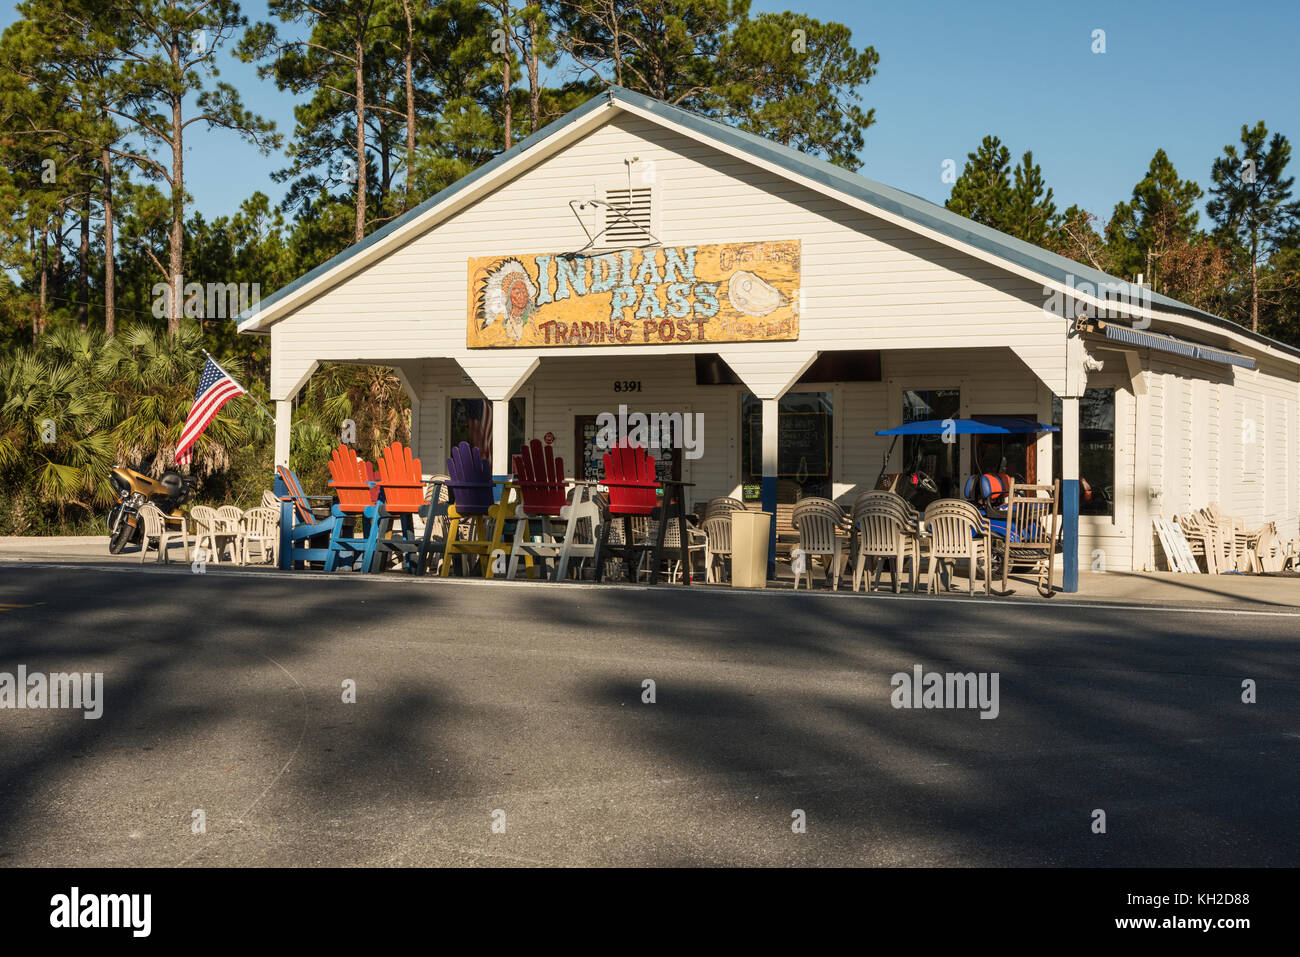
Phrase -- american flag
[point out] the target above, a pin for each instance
(216, 388)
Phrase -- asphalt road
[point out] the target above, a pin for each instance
(224, 693)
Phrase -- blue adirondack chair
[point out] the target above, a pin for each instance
(299, 525)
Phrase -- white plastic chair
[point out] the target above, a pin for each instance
(956, 530)
(723, 505)
(817, 520)
(161, 532)
(232, 524)
(211, 528)
(717, 547)
(1270, 552)
(1033, 531)
(672, 546)
(260, 533)
(886, 531)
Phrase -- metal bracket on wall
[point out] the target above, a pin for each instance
(579, 204)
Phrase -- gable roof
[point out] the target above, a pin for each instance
(903, 205)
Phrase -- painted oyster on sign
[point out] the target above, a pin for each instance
(509, 294)
(752, 295)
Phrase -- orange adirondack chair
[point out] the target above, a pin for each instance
(633, 491)
(400, 480)
(354, 481)
(402, 489)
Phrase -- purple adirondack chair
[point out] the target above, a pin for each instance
(470, 480)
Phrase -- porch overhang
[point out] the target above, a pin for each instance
(1171, 344)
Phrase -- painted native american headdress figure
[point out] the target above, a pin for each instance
(509, 295)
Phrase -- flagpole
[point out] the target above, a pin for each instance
(238, 383)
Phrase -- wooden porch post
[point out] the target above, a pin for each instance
(770, 421)
(500, 438)
(1070, 492)
(283, 425)
(499, 379)
(768, 381)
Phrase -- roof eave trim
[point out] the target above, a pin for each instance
(425, 216)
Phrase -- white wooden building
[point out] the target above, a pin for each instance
(893, 309)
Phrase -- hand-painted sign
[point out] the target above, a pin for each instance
(738, 292)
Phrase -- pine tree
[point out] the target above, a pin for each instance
(1032, 214)
(1161, 216)
(331, 63)
(1016, 201)
(794, 79)
(983, 190)
(665, 48)
(1251, 207)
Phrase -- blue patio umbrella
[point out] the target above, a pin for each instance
(984, 425)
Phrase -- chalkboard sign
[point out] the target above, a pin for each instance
(803, 447)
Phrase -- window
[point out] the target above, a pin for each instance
(629, 223)
(1096, 450)
(805, 445)
(471, 421)
(930, 453)
(1016, 455)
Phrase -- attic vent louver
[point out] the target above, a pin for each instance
(632, 227)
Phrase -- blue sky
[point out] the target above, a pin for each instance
(1179, 75)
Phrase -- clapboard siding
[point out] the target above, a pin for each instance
(862, 278)
(861, 408)
(1202, 451)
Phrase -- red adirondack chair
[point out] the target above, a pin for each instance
(630, 478)
(539, 476)
(633, 491)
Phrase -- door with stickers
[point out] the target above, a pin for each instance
(591, 466)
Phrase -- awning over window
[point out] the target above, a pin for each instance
(1192, 350)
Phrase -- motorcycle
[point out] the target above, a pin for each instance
(134, 489)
